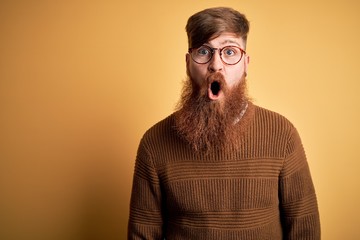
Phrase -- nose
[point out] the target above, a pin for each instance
(215, 64)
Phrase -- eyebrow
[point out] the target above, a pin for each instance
(230, 41)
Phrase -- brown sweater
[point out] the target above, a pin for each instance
(261, 189)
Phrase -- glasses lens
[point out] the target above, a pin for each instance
(231, 54)
(202, 54)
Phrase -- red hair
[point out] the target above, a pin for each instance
(210, 23)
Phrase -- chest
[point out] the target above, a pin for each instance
(192, 186)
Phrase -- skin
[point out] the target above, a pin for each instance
(231, 73)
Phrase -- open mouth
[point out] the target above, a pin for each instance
(214, 91)
(215, 88)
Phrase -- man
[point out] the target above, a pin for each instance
(221, 167)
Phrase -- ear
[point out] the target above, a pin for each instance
(187, 59)
(246, 63)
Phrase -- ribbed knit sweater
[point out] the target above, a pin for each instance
(260, 189)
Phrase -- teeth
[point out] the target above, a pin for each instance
(215, 87)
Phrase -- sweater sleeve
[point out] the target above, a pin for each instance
(145, 220)
(298, 203)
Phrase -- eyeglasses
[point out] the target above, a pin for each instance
(230, 55)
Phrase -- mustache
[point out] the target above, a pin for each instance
(215, 77)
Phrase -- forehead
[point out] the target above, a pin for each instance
(226, 39)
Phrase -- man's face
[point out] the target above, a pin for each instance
(232, 74)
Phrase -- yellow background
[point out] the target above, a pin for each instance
(80, 82)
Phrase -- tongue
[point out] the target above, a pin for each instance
(214, 90)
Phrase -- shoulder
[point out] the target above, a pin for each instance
(275, 131)
(272, 125)
(164, 126)
(272, 119)
(160, 133)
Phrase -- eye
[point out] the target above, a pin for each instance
(230, 51)
(203, 51)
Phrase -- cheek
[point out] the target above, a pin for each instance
(234, 77)
(197, 73)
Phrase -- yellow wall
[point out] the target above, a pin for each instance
(80, 82)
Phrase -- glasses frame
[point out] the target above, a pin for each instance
(212, 50)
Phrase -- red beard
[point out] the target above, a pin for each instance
(210, 124)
